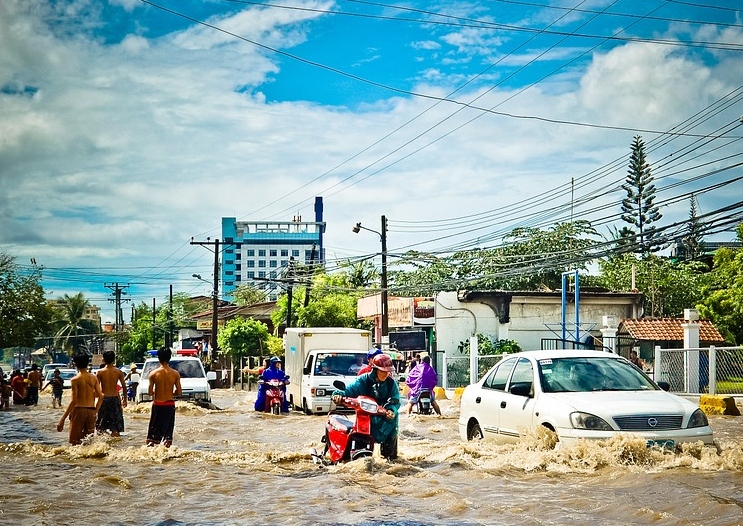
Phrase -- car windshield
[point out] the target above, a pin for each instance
(561, 375)
(339, 363)
(68, 375)
(186, 368)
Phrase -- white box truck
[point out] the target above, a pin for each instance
(315, 357)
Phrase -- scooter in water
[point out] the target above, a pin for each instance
(347, 439)
(274, 395)
(424, 402)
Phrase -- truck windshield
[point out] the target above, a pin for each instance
(339, 363)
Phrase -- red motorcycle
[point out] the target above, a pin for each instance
(274, 395)
(347, 439)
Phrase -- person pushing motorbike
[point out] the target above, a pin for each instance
(382, 387)
(274, 372)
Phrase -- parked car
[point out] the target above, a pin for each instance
(51, 366)
(194, 381)
(578, 395)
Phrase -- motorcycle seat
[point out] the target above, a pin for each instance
(341, 423)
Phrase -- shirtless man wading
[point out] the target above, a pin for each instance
(165, 383)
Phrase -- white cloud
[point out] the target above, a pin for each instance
(128, 150)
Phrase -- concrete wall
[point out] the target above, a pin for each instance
(531, 317)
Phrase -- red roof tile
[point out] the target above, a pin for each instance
(668, 329)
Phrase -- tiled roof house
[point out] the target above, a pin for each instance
(667, 333)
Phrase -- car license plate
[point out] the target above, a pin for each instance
(662, 444)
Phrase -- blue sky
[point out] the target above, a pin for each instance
(129, 127)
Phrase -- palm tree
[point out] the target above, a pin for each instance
(71, 323)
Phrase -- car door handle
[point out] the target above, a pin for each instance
(478, 400)
(503, 404)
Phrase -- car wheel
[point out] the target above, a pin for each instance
(474, 432)
(305, 408)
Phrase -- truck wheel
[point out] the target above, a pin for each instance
(275, 409)
(305, 408)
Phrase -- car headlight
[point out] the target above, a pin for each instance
(589, 421)
(698, 419)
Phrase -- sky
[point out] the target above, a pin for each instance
(129, 128)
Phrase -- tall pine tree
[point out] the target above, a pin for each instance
(693, 241)
(638, 208)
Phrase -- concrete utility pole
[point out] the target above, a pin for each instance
(118, 291)
(215, 293)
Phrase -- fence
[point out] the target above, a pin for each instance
(713, 370)
(458, 369)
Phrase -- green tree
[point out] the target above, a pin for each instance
(247, 294)
(668, 287)
(24, 313)
(71, 325)
(529, 259)
(638, 208)
(693, 241)
(243, 337)
(723, 296)
(138, 338)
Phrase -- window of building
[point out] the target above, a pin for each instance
(229, 261)
(229, 283)
(251, 274)
(295, 253)
(261, 263)
(261, 274)
(272, 252)
(238, 256)
(229, 273)
(238, 278)
(273, 263)
(229, 251)
(238, 267)
(261, 253)
(251, 263)
(250, 252)
(284, 263)
(284, 252)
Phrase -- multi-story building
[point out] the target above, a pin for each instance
(259, 253)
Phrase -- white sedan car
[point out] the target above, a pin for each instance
(578, 395)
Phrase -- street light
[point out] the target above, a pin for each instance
(383, 238)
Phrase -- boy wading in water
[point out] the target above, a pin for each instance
(164, 384)
(87, 398)
(111, 417)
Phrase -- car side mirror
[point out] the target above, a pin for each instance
(211, 375)
(664, 385)
(339, 385)
(307, 370)
(520, 389)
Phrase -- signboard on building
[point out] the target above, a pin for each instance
(408, 340)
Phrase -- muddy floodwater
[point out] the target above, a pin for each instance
(233, 466)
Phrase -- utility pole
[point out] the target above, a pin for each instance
(215, 292)
(118, 291)
(385, 316)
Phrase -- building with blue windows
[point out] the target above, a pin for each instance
(259, 252)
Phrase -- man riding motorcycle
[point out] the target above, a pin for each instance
(273, 372)
(382, 387)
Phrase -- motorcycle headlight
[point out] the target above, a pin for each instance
(369, 407)
(698, 419)
(588, 421)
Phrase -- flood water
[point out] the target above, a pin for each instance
(233, 466)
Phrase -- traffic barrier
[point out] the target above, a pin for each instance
(458, 393)
(440, 393)
(718, 405)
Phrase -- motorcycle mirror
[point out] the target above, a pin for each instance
(339, 385)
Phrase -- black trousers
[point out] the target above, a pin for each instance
(388, 448)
